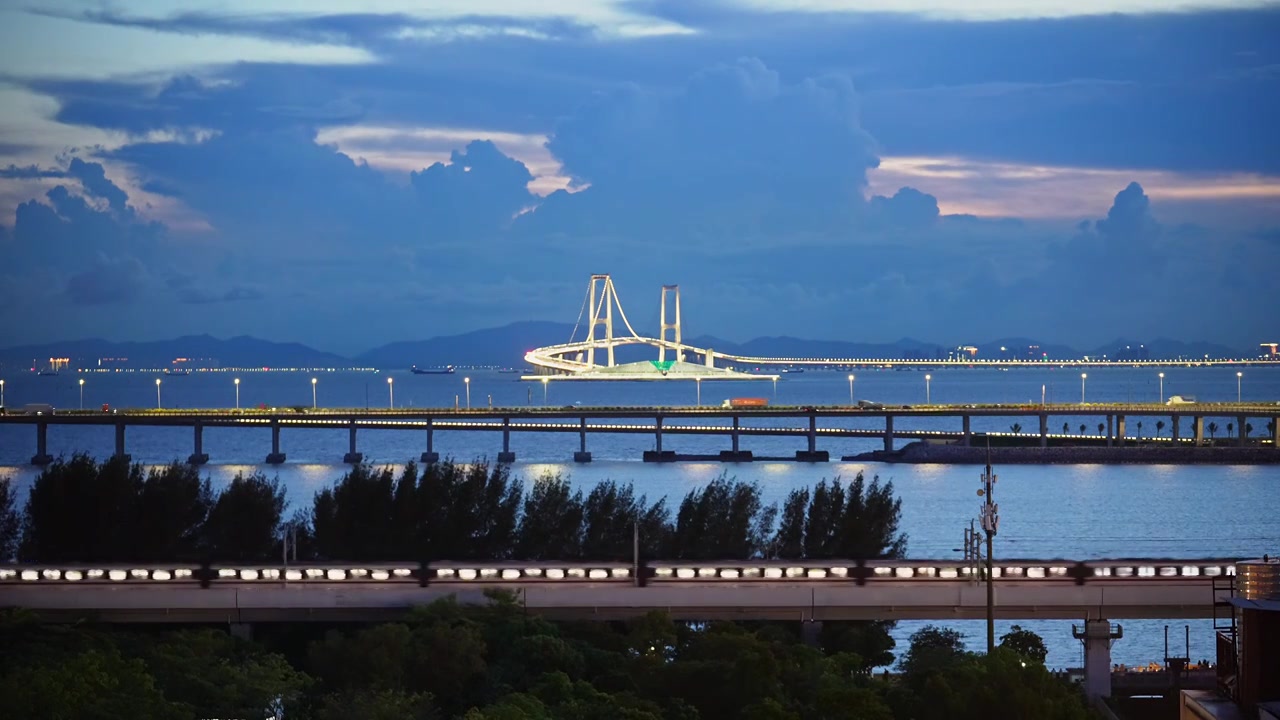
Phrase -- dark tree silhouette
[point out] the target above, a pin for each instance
(1083, 427)
(1159, 427)
(723, 519)
(1026, 643)
(79, 511)
(1015, 428)
(1066, 428)
(835, 521)
(1102, 427)
(244, 524)
(1212, 427)
(551, 523)
(10, 521)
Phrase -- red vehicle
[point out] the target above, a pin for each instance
(745, 402)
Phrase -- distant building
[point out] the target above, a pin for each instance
(1270, 350)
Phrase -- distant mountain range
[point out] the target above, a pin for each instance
(506, 346)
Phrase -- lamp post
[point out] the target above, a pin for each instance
(157, 393)
(927, 400)
(467, 381)
(391, 391)
(989, 514)
(775, 388)
(1161, 398)
(313, 393)
(1239, 376)
(1083, 377)
(81, 393)
(237, 382)
(698, 383)
(1, 393)
(544, 389)
(850, 390)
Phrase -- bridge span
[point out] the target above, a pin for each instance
(692, 590)
(580, 359)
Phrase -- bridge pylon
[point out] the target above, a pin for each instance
(664, 326)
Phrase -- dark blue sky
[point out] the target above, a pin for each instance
(373, 172)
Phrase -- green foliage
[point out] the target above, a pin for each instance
(933, 650)
(244, 523)
(835, 521)
(723, 519)
(1000, 686)
(10, 521)
(376, 705)
(551, 523)
(80, 511)
(1025, 643)
(88, 685)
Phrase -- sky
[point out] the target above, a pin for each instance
(350, 174)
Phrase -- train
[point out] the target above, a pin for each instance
(640, 574)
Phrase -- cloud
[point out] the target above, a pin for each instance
(93, 178)
(108, 280)
(907, 207)
(480, 188)
(30, 172)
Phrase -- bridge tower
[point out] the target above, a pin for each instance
(607, 297)
(664, 326)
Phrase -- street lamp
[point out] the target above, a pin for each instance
(1239, 375)
(237, 381)
(1, 393)
(851, 390)
(157, 393)
(1083, 376)
(544, 389)
(313, 393)
(1161, 398)
(698, 382)
(990, 517)
(467, 381)
(391, 390)
(927, 378)
(81, 393)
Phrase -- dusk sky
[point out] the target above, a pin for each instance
(347, 174)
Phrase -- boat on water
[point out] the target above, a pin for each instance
(48, 371)
(446, 370)
(510, 371)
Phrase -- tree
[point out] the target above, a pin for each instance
(10, 521)
(466, 512)
(1015, 428)
(1139, 429)
(1213, 429)
(1159, 427)
(610, 515)
(722, 519)
(1101, 428)
(376, 705)
(1248, 429)
(79, 511)
(1082, 428)
(857, 521)
(171, 508)
(93, 684)
(356, 519)
(1026, 643)
(1066, 428)
(244, 524)
(932, 650)
(551, 523)
(1230, 428)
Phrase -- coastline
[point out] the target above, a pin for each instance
(925, 453)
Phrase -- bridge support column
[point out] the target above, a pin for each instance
(1120, 430)
(1173, 430)
(1044, 430)
(1197, 425)
(888, 433)
(735, 455)
(1097, 637)
(1242, 436)
(811, 633)
(352, 457)
(198, 457)
(506, 456)
(42, 456)
(658, 454)
(813, 454)
(1275, 432)
(582, 456)
(120, 453)
(1110, 430)
(966, 435)
(430, 456)
(276, 457)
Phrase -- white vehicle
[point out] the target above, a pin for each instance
(38, 409)
(1181, 400)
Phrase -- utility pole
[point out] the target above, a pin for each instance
(989, 515)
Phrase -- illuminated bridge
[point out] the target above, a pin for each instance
(698, 590)
(594, 357)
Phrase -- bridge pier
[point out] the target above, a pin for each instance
(1173, 430)
(506, 456)
(812, 454)
(198, 457)
(1097, 637)
(430, 456)
(42, 456)
(1197, 425)
(276, 457)
(120, 453)
(1044, 430)
(1110, 430)
(735, 455)
(1120, 430)
(582, 456)
(967, 435)
(811, 633)
(1275, 432)
(658, 454)
(1242, 435)
(353, 457)
(888, 433)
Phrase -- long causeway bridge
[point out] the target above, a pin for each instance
(811, 424)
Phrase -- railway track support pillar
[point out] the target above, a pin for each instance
(198, 455)
(42, 456)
